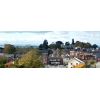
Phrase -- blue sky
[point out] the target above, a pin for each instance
(37, 37)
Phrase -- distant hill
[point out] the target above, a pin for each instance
(23, 46)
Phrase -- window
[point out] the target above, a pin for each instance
(76, 63)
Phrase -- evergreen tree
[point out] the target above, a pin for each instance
(45, 44)
(73, 42)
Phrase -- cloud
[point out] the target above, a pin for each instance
(37, 37)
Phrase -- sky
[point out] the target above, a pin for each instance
(37, 37)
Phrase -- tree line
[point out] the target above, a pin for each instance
(11, 49)
(68, 45)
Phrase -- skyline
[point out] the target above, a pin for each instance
(37, 37)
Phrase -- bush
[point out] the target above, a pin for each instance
(92, 62)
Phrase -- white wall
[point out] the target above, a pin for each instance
(74, 62)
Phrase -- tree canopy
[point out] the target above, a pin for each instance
(73, 42)
(94, 46)
(9, 49)
(30, 60)
(44, 45)
(59, 44)
(82, 44)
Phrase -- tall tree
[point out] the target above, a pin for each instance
(59, 44)
(41, 46)
(52, 46)
(67, 44)
(87, 45)
(78, 43)
(73, 42)
(82, 44)
(45, 44)
(94, 46)
(32, 59)
(9, 49)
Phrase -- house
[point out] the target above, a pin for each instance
(82, 55)
(73, 53)
(65, 58)
(97, 56)
(55, 61)
(77, 48)
(86, 56)
(1, 54)
(56, 53)
(76, 63)
(55, 58)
